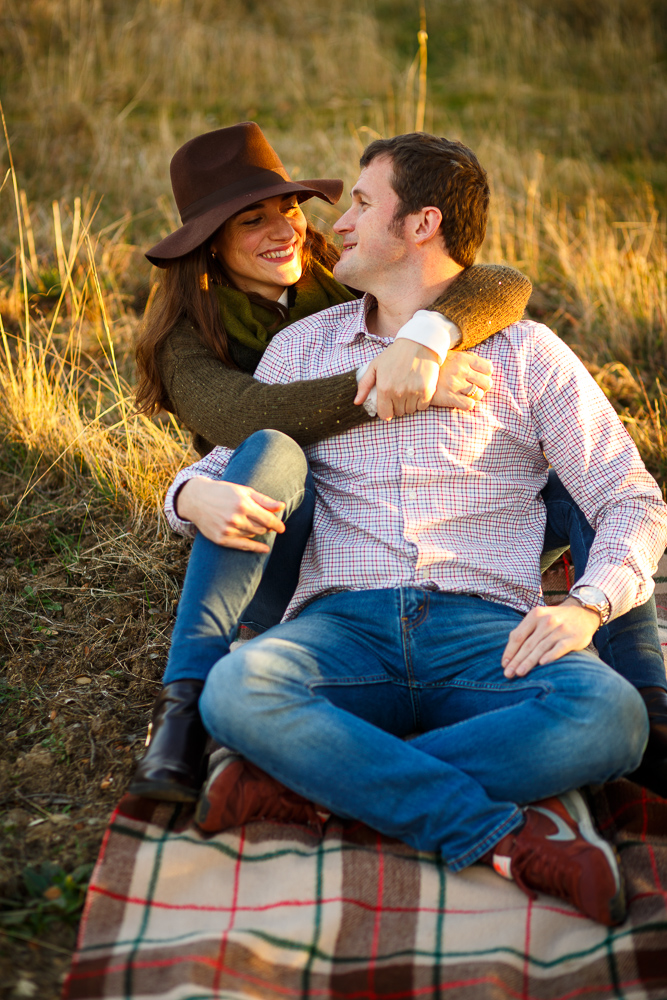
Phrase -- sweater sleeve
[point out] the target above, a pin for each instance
(484, 299)
(223, 406)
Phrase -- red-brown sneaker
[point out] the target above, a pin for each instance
(238, 792)
(558, 851)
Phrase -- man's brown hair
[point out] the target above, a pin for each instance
(430, 170)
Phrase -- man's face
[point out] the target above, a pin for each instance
(372, 251)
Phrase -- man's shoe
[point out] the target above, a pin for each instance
(173, 767)
(652, 772)
(558, 851)
(238, 792)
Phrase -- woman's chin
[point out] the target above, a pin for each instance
(287, 276)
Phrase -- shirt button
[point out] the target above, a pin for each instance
(410, 452)
(413, 494)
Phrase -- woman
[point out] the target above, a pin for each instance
(244, 264)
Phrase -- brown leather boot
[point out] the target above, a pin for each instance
(173, 767)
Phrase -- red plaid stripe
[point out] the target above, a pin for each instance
(271, 912)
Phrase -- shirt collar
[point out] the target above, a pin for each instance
(356, 325)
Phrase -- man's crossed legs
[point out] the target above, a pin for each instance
(391, 707)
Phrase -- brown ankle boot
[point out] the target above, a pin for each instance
(173, 767)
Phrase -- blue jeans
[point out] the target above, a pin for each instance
(328, 703)
(226, 587)
(630, 644)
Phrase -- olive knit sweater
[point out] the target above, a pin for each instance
(222, 405)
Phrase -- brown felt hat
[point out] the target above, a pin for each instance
(218, 174)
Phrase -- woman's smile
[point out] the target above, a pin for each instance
(280, 253)
(261, 248)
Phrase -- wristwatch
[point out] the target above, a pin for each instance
(594, 599)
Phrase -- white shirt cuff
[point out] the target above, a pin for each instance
(432, 330)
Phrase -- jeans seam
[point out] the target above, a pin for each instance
(407, 659)
(544, 687)
(292, 500)
(349, 682)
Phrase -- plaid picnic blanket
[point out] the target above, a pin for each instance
(275, 911)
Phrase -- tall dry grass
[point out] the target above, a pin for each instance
(566, 104)
(65, 406)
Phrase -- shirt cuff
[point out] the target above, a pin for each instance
(177, 523)
(370, 404)
(621, 587)
(432, 330)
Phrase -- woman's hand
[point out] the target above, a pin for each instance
(459, 372)
(406, 375)
(228, 514)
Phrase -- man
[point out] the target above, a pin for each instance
(422, 688)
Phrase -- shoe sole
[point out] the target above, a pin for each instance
(578, 810)
(162, 793)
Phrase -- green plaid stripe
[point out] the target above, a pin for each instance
(356, 915)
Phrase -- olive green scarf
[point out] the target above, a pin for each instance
(254, 326)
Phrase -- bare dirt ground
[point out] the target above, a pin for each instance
(86, 610)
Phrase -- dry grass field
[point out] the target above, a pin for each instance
(565, 103)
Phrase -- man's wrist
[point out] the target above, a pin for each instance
(592, 599)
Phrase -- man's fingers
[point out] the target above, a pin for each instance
(560, 649)
(546, 634)
(528, 658)
(517, 637)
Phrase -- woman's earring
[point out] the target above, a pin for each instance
(213, 254)
(203, 282)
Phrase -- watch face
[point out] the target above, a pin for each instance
(591, 595)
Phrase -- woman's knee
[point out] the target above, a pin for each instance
(270, 462)
(275, 445)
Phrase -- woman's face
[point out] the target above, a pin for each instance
(261, 247)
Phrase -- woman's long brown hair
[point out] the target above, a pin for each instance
(186, 289)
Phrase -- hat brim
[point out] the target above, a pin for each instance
(197, 231)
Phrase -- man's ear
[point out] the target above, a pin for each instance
(426, 224)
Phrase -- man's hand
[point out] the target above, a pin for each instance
(459, 371)
(546, 634)
(406, 375)
(228, 514)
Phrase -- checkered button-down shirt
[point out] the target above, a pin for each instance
(450, 501)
